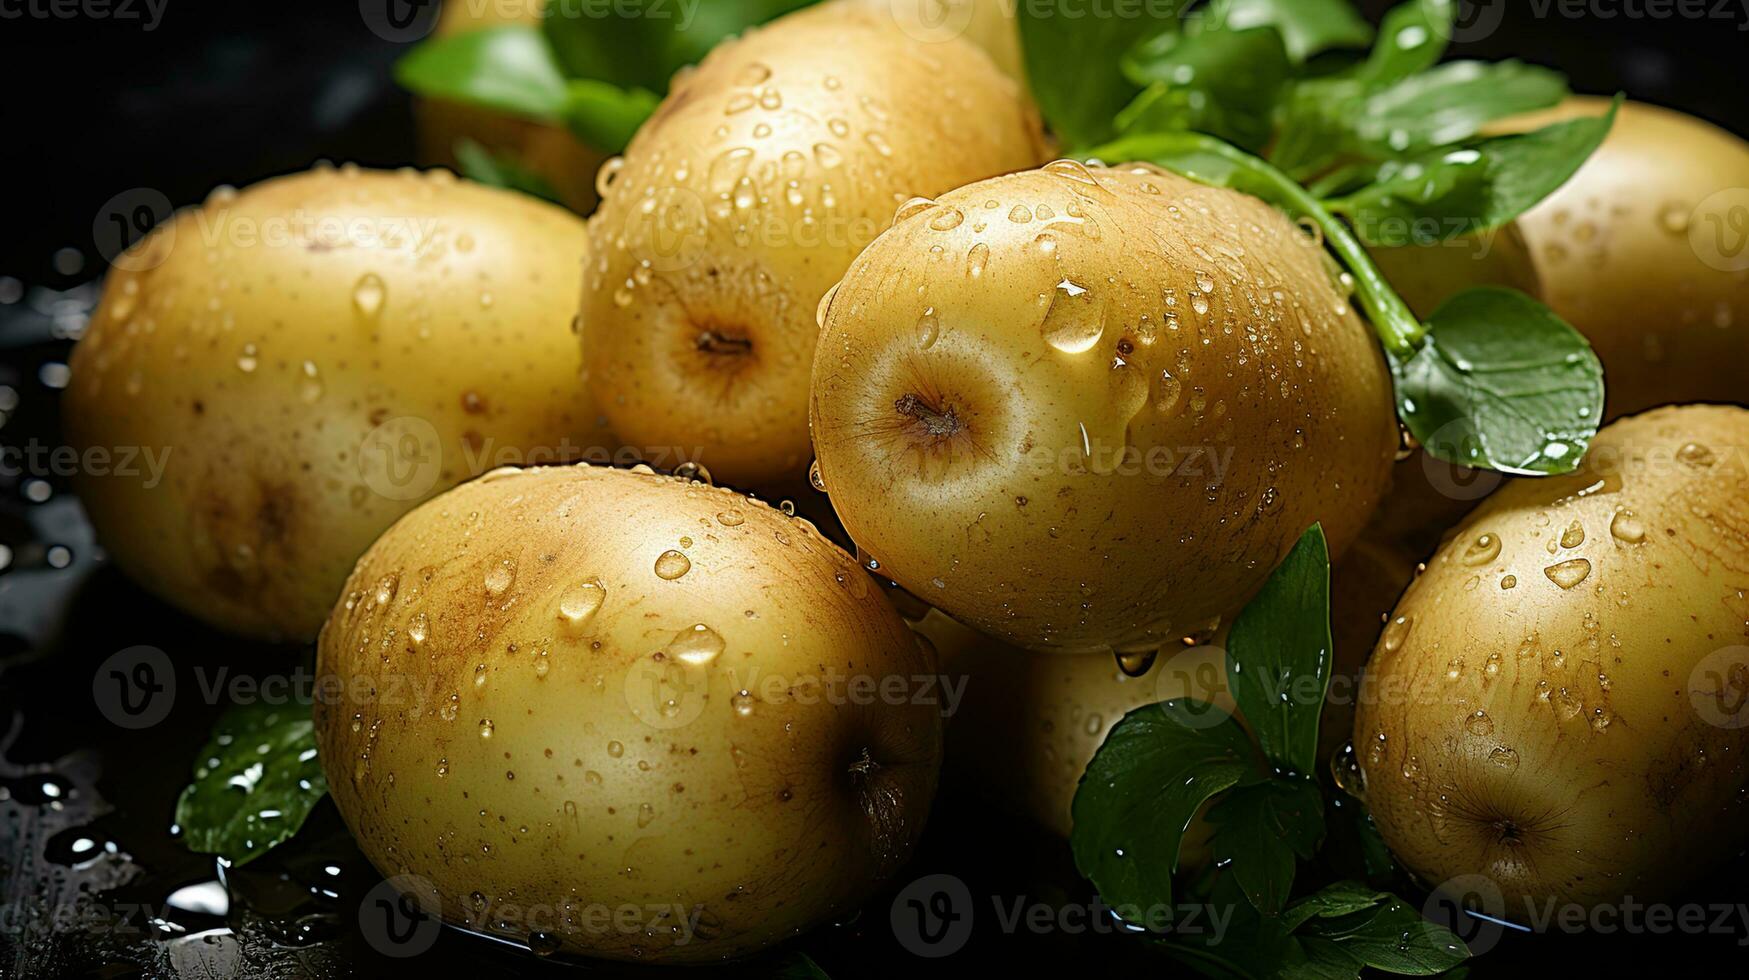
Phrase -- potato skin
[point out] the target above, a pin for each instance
(988, 24)
(1618, 252)
(1045, 717)
(631, 757)
(1088, 410)
(1551, 704)
(1425, 276)
(281, 342)
(744, 198)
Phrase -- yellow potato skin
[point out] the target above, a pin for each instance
(1086, 410)
(596, 729)
(1527, 714)
(745, 197)
(1616, 255)
(1044, 717)
(988, 24)
(550, 151)
(1425, 276)
(317, 353)
(1613, 252)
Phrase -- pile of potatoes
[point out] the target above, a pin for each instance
(1077, 413)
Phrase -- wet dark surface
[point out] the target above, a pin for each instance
(93, 882)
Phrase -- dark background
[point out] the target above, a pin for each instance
(235, 92)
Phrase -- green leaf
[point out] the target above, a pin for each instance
(797, 966)
(1072, 64)
(1352, 844)
(1311, 125)
(604, 115)
(1397, 104)
(1263, 831)
(483, 166)
(1333, 934)
(1208, 160)
(255, 782)
(1452, 193)
(1251, 946)
(1324, 120)
(1450, 103)
(1308, 27)
(1278, 656)
(507, 69)
(640, 44)
(1503, 383)
(1318, 119)
(1506, 370)
(1155, 769)
(1412, 38)
(1389, 936)
(1222, 82)
(1338, 899)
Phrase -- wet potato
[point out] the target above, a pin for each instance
(744, 198)
(312, 356)
(567, 165)
(1046, 716)
(592, 689)
(1089, 410)
(1557, 702)
(1642, 252)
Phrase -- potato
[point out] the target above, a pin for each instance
(631, 692)
(1090, 410)
(315, 355)
(1613, 253)
(551, 152)
(1644, 251)
(988, 24)
(1364, 588)
(1557, 703)
(1045, 716)
(744, 198)
(1428, 275)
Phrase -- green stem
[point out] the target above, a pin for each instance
(1211, 161)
